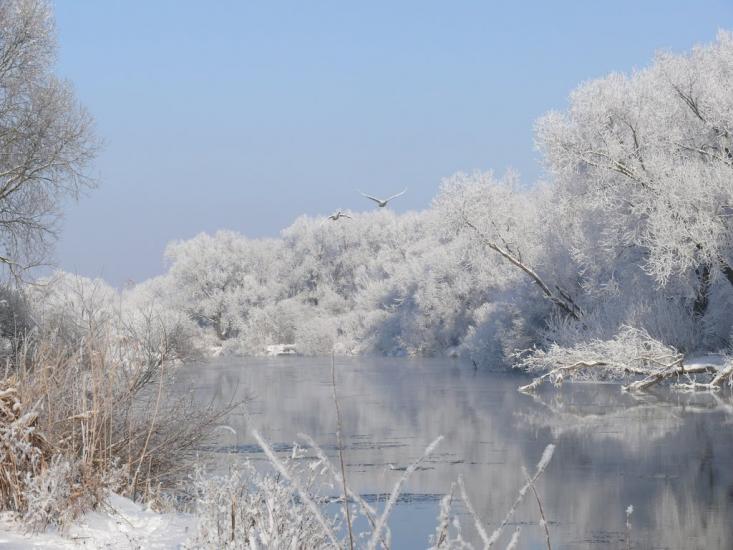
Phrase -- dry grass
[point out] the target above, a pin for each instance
(247, 509)
(23, 450)
(101, 415)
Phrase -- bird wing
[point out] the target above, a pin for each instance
(375, 199)
(397, 195)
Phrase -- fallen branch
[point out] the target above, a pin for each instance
(675, 370)
(557, 374)
(632, 353)
(721, 376)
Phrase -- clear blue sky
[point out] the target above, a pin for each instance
(243, 115)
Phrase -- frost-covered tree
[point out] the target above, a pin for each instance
(219, 278)
(46, 138)
(642, 167)
(507, 220)
(73, 308)
(631, 231)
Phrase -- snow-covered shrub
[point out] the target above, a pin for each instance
(48, 495)
(67, 307)
(316, 337)
(23, 451)
(495, 333)
(60, 493)
(272, 324)
(668, 321)
(247, 509)
(150, 324)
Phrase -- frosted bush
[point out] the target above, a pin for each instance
(151, 321)
(497, 330)
(67, 305)
(248, 510)
(316, 337)
(66, 488)
(49, 495)
(22, 448)
(269, 325)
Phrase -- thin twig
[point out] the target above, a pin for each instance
(150, 431)
(514, 541)
(445, 506)
(396, 491)
(541, 465)
(469, 506)
(341, 452)
(539, 505)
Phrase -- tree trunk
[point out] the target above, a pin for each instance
(701, 301)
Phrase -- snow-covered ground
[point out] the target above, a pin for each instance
(121, 524)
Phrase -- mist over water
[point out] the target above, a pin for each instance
(669, 455)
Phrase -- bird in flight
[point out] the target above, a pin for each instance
(383, 202)
(338, 214)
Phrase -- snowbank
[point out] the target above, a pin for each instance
(120, 524)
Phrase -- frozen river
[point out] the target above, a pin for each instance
(669, 455)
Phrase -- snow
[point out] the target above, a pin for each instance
(121, 524)
(710, 359)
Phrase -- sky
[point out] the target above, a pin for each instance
(245, 115)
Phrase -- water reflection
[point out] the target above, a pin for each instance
(670, 455)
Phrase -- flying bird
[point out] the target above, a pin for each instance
(383, 202)
(338, 214)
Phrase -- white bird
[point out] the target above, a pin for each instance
(383, 202)
(338, 214)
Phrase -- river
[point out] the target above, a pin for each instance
(668, 455)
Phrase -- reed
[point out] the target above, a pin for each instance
(103, 417)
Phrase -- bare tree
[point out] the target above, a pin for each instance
(46, 137)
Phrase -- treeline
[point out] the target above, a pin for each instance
(633, 227)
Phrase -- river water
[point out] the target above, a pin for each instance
(668, 455)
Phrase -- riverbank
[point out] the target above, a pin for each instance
(119, 524)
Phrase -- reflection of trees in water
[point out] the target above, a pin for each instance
(667, 454)
(634, 420)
